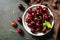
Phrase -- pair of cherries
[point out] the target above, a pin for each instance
(14, 24)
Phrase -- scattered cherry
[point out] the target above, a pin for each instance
(20, 6)
(19, 30)
(19, 19)
(13, 23)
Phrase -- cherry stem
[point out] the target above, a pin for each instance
(13, 30)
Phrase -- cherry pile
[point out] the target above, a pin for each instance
(36, 17)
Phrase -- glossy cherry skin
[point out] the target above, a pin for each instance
(19, 30)
(35, 19)
(38, 12)
(19, 19)
(43, 30)
(50, 16)
(45, 16)
(38, 8)
(29, 10)
(13, 23)
(38, 1)
(30, 16)
(33, 13)
(31, 24)
(28, 20)
(33, 30)
(38, 25)
(20, 6)
(44, 9)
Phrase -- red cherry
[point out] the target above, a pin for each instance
(30, 16)
(13, 23)
(38, 29)
(20, 6)
(19, 30)
(44, 9)
(38, 1)
(19, 19)
(28, 20)
(43, 30)
(38, 12)
(50, 16)
(35, 19)
(33, 13)
(32, 23)
(45, 16)
(33, 30)
(29, 25)
(29, 10)
(38, 8)
(38, 24)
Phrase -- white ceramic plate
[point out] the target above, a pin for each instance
(25, 24)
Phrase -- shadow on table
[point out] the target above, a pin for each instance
(44, 37)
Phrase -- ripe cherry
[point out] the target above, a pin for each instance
(20, 6)
(29, 25)
(28, 20)
(13, 23)
(32, 23)
(33, 13)
(19, 19)
(30, 16)
(29, 10)
(38, 1)
(43, 30)
(35, 19)
(45, 16)
(38, 8)
(33, 30)
(50, 16)
(19, 30)
(38, 24)
(38, 12)
(44, 9)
